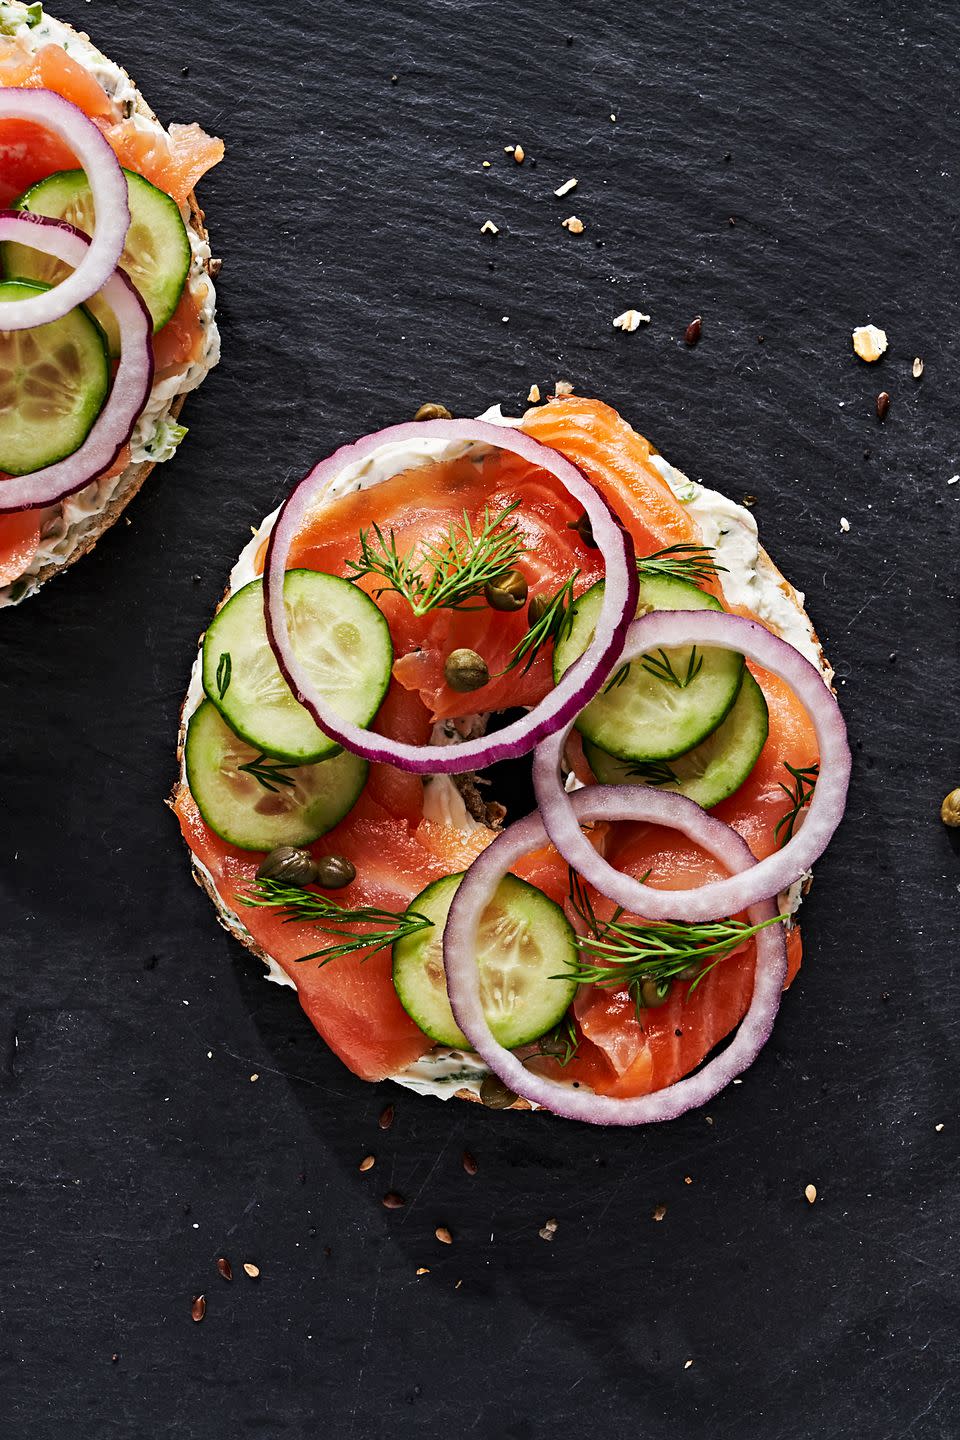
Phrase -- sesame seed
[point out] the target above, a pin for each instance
(811, 1193)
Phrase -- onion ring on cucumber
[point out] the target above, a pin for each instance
(108, 186)
(131, 383)
(613, 802)
(768, 877)
(580, 683)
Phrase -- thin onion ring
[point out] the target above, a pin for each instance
(581, 682)
(614, 802)
(108, 186)
(778, 871)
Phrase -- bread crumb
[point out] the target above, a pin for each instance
(844, 524)
(565, 188)
(423, 1270)
(563, 387)
(939, 1127)
(630, 320)
(443, 1235)
(687, 1364)
(917, 368)
(660, 1213)
(548, 1230)
(869, 342)
(574, 224)
(488, 228)
(533, 396)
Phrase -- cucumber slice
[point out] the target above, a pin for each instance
(54, 381)
(644, 714)
(156, 254)
(525, 940)
(338, 633)
(710, 772)
(286, 805)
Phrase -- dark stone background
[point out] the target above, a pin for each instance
(133, 1147)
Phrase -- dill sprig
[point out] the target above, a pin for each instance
(448, 574)
(560, 1044)
(661, 667)
(627, 954)
(553, 625)
(681, 562)
(800, 793)
(653, 772)
(311, 908)
(269, 772)
(224, 672)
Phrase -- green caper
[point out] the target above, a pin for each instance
(585, 530)
(289, 866)
(494, 1094)
(432, 411)
(466, 670)
(950, 809)
(651, 994)
(335, 871)
(537, 608)
(508, 591)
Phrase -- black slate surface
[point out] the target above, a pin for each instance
(134, 1148)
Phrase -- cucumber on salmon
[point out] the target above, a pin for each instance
(339, 634)
(711, 771)
(257, 803)
(662, 705)
(156, 254)
(525, 942)
(54, 381)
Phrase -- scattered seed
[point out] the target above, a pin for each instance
(563, 387)
(811, 1194)
(614, 119)
(486, 164)
(254, 1077)
(688, 1179)
(954, 479)
(869, 342)
(393, 1201)
(198, 1309)
(393, 79)
(429, 411)
(844, 524)
(630, 320)
(883, 405)
(660, 1213)
(458, 1284)
(518, 153)
(574, 224)
(534, 395)
(367, 1163)
(443, 1235)
(950, 809)
(687, 1364)
(548, 1230)
(749, 501)
(917, 368)
(565, 188)
(488, 228)
(225, 1268)
(939, 1127)
(114, 1358)
(692, 333)
(252, 1270)
(470, 1163)
(423, 1270)
(387, 1113)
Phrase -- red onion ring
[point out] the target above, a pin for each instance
(131, 383)
(108, 186)
(768, 877)
(613, 802)
(581, 682)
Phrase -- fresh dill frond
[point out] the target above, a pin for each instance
(800, 793)
(446, 574)
(269, 773)
(561, 1043)
(653, 772)
(554, 625)
(308, 907)
(661, 667)
(224, 672)
(617, 679)
(680, 562)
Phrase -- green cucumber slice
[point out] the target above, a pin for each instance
(286, 805)
(525, 941)
(643, 714)
(54, 381)
(711, 771)
(156, 254)
(338, 633)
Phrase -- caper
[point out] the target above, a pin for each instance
(494, 1094)
(432, 411)
(585, 530)
(537, 608)
(289, 866)
(508, 591)
(465, 670)
(950, 809)
(335, 871)
(651, 995)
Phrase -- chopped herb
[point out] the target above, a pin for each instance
(448, 574)
(560, 1044)
(617, 679)
(224, 672)
(799, 794)
(34, 15)
(661, 667)
(268, 772)
(326, 915)
(653, 772)
(681, 562)
(551, 620)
